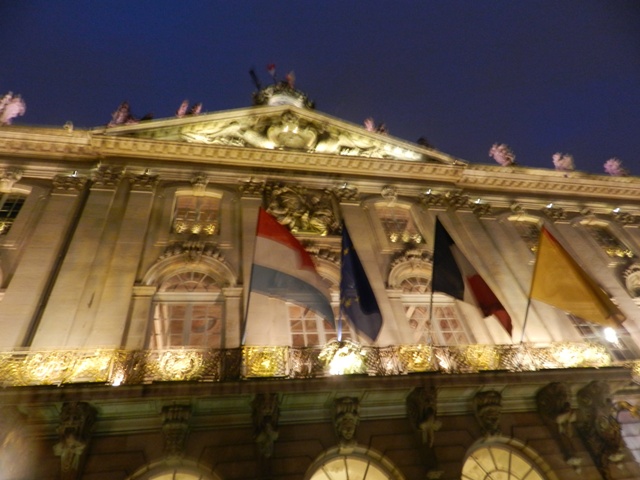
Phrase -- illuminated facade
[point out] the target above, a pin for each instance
(125, 265)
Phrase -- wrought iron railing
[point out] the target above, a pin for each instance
(118, 367)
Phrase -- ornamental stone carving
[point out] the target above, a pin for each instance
(265, 413)
(346, 193)
(144, 182)
(488, 407)
(15, 451)
(599, 427)
(199, 184)
(555, 407)
(632, 279)
(175, 428)
(346, 419)
(252, 188)
(431, 199)
(301, 210)
(76, 423)
(107, 176)
(456, 199)
(422, 410)
(73, 183)
(193, 251)
(554, 213)
(8, 178)
(624, 218)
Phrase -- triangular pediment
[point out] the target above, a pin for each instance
(283, 127)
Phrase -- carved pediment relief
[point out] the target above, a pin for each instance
(282, 127)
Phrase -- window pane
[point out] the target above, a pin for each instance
(609, 243)
(197, 215)
(10, 205)
(398, 224)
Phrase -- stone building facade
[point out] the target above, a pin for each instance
(125, 272)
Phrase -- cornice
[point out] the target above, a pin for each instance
(50, 150)
(549, 182)
(33, 142)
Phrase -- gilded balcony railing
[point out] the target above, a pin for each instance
(118, 367)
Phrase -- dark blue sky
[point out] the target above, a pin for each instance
(542, 76)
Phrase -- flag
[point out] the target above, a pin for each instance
(454, 275)
(283, 269)
(559, 281)
(357, 300)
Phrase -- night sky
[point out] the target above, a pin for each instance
(542, 76)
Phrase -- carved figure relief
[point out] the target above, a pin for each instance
(175, 428)
(346, 419)
(555, 407)
(76, 423)
(266, 412)
(422, 411)
(488, 407)
(289, 131)
(302, 211)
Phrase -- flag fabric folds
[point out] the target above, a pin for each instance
(283, 269)
(357, 300)
(559, 281)
(454, 275)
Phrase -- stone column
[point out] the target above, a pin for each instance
(83, 267)
(37, 269)
(113, 306)
(140, 316)
(232, 316)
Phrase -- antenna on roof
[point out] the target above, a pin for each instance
(255, 79)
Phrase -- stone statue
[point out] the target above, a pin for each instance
(346, 419)
(488, 407)
(11, 106)
(266, 412)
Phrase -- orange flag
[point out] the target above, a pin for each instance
(559, 281)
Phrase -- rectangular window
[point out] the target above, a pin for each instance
(196, 214)
(10, 205)
(309, 329)
(187, 325)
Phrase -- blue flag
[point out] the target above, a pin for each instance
(357, 300)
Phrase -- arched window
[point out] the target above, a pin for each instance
(501, 461)
(360, 464)
(196, 214)
(182, 469)
(188, 311)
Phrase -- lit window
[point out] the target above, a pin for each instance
(608, 242)
(310, 329)
(398, 224)
(187, 312)
(498, 462)
(620, 348)
(448, 328)
(10, 205)
(196, 214)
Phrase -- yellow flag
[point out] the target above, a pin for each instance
(559, 281)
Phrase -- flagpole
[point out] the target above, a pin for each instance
(526, 315)
(243, 336)
(533, 277)
(430, 333)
